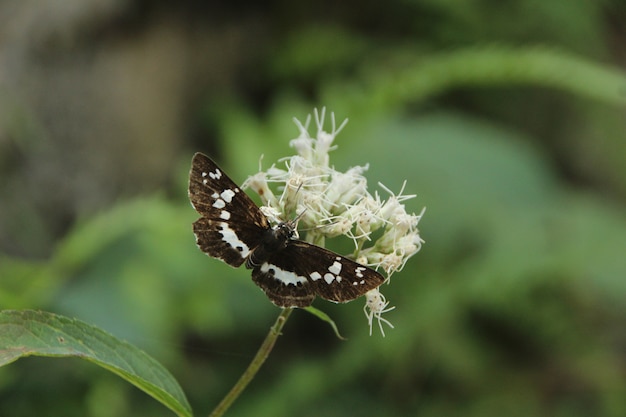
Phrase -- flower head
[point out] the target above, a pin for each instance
(331, 203)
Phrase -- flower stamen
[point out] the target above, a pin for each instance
(375, 306)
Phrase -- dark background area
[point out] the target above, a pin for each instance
(507, 119)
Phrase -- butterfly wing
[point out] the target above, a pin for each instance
(231, 225)
(295, 275)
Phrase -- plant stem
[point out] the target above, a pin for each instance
(255, 365)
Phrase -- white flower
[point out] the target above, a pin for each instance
(375, 306)
(333, 203)
(258, 184)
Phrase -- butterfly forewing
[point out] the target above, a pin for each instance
(302, 269)
(232, 225)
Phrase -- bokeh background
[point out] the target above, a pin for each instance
(507, 119)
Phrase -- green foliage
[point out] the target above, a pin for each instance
(28, 333)
(508, 126)
(324, 317)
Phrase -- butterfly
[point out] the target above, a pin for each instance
(291, 272)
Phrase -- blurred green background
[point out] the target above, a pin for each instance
(507, 119)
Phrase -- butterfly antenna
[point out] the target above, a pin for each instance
(298, 217)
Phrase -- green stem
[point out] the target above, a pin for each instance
(255, 365)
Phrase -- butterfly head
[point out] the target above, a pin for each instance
(285, 231)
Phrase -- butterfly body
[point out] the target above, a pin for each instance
(291, 272)
(274, 240)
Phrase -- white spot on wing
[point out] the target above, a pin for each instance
(315, 276)
(227, 195)
(335, 268)
(215, 175)
(229, 236)
(219, 203)
(329, 278)
(224, 215)
(359, 271)
(286, 277)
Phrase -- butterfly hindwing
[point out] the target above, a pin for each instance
(219, 240)
(296, 274)
(283, 287)
(232, 225)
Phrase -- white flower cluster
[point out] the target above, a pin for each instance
(332, 203)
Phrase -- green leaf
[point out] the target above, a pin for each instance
(36, 333)
(325, 317)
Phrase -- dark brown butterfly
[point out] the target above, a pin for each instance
(290, 271)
